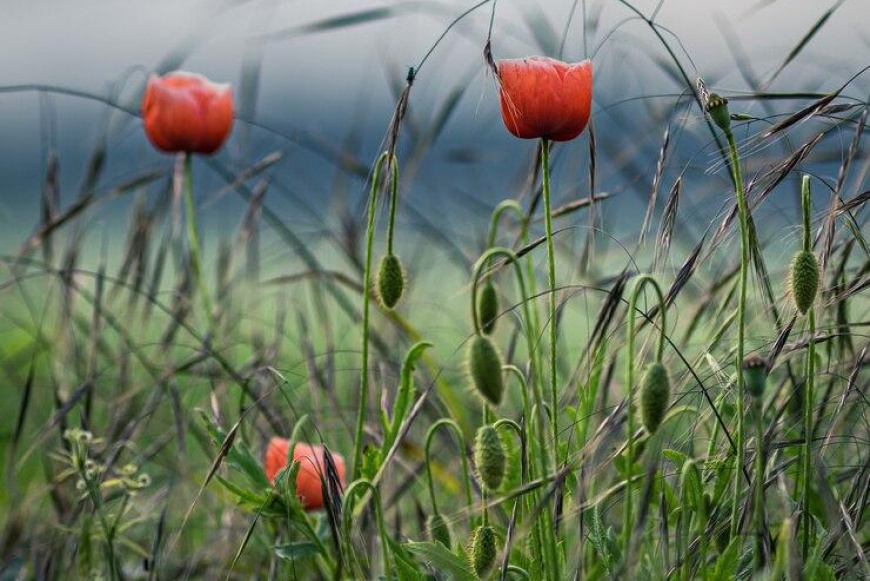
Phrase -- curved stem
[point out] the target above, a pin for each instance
(506, 205)
(743, 213)
(367, 275)
(521, 436)
(379, 515)
(551, 270)
(445, 422)
(629, 384)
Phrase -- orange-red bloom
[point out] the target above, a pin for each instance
(542, 98)
(185, 112)
(311, 467)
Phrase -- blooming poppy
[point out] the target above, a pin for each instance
(542, 98)
(311, 467)
(185, 112)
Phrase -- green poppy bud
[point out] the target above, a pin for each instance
(483, 550)
(804, 279)
(488, 308)
(654, 396)
(391, 281)
(484, 363)
(489, 457)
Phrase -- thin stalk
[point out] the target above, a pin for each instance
(379, 516)
(759, 486)
(551, 271)
(629, 383)
(193, 235)
(446, 422)
(366, 293)
(809, 384)
(394, 202)
(743, 214)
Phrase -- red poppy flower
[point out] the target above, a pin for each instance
(542, 98)
(185, 112)
(311, 467)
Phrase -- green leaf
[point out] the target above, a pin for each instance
(442, 559)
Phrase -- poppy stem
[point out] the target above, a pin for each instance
(551, 270)
(193, 235)
(629, 385)
(394, 197)
(457, 431)
(809, 387)
(743, 214)
(366, 292)
(759, 485)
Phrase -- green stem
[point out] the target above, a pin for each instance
(551, 270)
(446, 422)
(743, 214)
(379, 516)
(394, 197)
(629, 384)
(809, 385)
(759, 486)
(193, 235)
(367, 276)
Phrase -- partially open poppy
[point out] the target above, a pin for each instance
(185, 112)
(311, 467)
(542, 98)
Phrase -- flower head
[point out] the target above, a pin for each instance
(312, 467)
(185, 112)
(542, 98)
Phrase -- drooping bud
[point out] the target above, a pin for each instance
(655, 394)
(804, 279)
(489, 457)
(484, 363)
(755, 375)
(483, 550)
(438, 529)
(488, 308)
(391, 281)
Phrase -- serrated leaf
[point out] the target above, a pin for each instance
(442, 560)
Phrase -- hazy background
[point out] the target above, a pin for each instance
(340, 86)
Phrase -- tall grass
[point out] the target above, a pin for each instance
(144, 379)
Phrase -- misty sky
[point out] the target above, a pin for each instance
(323, 81)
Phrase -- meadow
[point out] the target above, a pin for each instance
(574, 358)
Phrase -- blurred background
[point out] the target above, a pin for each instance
(328, 73)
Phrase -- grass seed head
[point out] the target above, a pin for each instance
(489, 457)
(654, 396)
(755, 375)
(488, 308)
(391, 281)
(484, 363)
(483, 550)
(438, 529)
(804, 279)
